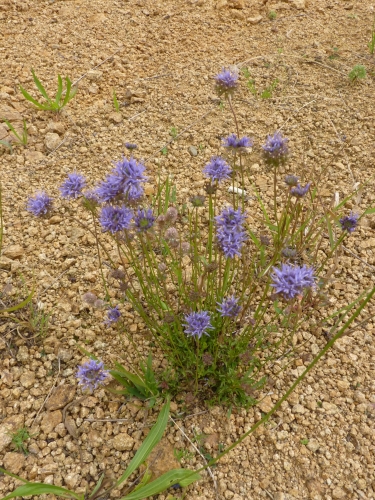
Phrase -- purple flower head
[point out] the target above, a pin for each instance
(349, 223)
(230, 232)
(290, 281)
(217, 169)
(113, 315)
(226, 81)
(40, 204)
(130, 146)
(115, 219)
(197, 324)
(275, 148)
(73, 185)
(291, 180)
(144, 220)
(125, 181)
(91, 374)
(229, 307)
(232, 141)
(299, 191)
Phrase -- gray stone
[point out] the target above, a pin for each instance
(52, 140)
(193, 150)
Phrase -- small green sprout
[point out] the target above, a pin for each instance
(51, 105)
(267, 92)
(272, 15)
(304, 441)
(164, 151)
(371, 44)
(22, 140)
(18, 440)
(115, 102)
(357, 73)
(174, 132)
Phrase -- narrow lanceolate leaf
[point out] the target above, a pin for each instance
(36, 489)
(40, 87)
(152, 439)
(59, 90)
(183, 477)
(20, 305)
(7, 145)
(27, 96)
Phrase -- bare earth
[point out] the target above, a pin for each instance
(160, 57)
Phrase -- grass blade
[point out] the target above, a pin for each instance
(152, 439)
(59, 90)
(70, 92)
(7, 145)
(21, 304)
(27, 96)
(40, 87)
(12, 129)
(184, 477)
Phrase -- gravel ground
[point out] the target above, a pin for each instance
(159, 57)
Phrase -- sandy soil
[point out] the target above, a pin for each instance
(159, 57)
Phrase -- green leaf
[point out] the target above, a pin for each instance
(59, 90)
(20, 305)
(41, 489)
(369, 211)
(7, 145)
(70, 92)
(152, 439)
(183, 477)
(31, 99)
(12, 129)
(40, 87)
(115, 101)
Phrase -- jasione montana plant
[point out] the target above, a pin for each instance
(221, 298)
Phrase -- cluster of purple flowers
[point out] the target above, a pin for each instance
(115, 219)
(300, 191)
(124, 182)
(229, 307)
(230, 232)
(217, 169)
(91, 374)
(144, 220)
(226, 81)
(276, 147)
(290, 281)
(73, 185)
(232, 141)
(197, 324)
(113, 315)
(349, 222)
(41, 204)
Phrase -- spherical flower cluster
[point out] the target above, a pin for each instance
(40, 204)
(229, 307)
(113, 315)
(290, 281)
(115, 219)
(291, 180)
(217, 169)
(91, 374)
(130, 146)
(298, 191)
(144, 220)
(197, 324)
(73, 185)
(229, 231)
(226, 81)
(275, 148)
(349, 223)
(125, 181)
(232, 141)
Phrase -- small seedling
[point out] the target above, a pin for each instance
(304, 441)
(52, 105)
(164, 151)
(371, 44)
(334, 54)
(115, 102)
(7, 144)
(183, 454)
(173, 132)
(267, 92)
(272, 15)
(22, 140)
(357, 73)
(19, 438)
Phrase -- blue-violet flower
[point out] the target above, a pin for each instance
(230, 232)
(144, 220)
(115, 219)
(91, 374)
(229, 307)
(113, 315)
(73, 185)
(40, 204)
(217, 169)
(276, 147)
(299, 191)
(197, 324)
(290, 281)
(226, 81)
(232, 141)
(349, 222)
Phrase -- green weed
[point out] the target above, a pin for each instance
(22, 140)
(371, 44)
(174, 132)
(59, 101)
(272, 15)
(305, 441)
(18, 440)
(115, 102)
(357, 73)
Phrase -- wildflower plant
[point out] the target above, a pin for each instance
(221, 299)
